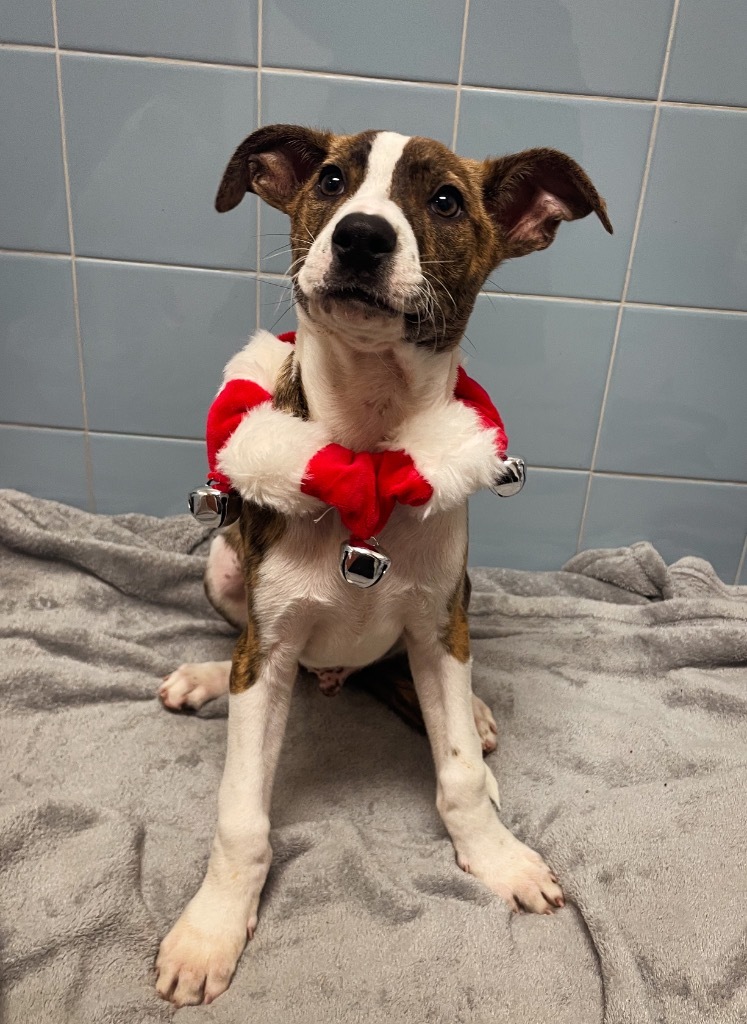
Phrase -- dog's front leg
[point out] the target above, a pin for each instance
(466, 788)
(199, 955)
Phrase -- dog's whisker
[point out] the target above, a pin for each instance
(283, 314)
(292, 268)
(495, 285)
(466, 337)
(277, 252)
(275, 284)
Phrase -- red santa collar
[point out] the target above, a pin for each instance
(363, 486)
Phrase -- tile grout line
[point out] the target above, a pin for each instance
(140, 58)
(274, 275)
(87, 456)
(574, 470)
(460, 75)
(740, 564)
(312, 73)
(629, 303)
(628, 268)
(258, 205)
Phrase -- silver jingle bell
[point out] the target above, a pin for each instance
(512, 478)
(215, 508)
(362, 566)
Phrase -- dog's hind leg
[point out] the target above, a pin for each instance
(195, 683)
(224, 578)
(487, 730)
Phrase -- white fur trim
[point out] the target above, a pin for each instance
(453, 451)
(260, 361)
(266, 458)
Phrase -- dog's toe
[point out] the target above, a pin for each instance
(520, 876)
(195, 965)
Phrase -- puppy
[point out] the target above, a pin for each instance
(365, 426)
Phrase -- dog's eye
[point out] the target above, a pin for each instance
(447, 202)
(331, 182)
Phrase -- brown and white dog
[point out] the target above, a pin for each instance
(392, 239)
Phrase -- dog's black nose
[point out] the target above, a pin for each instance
(362, 240)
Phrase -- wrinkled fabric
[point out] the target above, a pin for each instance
(620, 690)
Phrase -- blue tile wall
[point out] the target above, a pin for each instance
(145, 474)
(32, 186)
(47, 463)
(544, 363)
(677, 396)
(228, 35)
(27, 22)
(40, 381)
(155, 340)
(375, 38)
(678, 517)
(536, 529)
(708, 53)
(619, 363)
(692, 249)
(148, 143)
(579, 46)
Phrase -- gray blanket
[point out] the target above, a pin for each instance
(620, 688)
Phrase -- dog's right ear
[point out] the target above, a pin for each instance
(273, 162)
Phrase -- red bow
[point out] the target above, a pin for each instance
(364, 486)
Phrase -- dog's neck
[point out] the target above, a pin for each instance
(364, 396)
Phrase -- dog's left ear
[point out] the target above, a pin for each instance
(529, 193)
(273, 162)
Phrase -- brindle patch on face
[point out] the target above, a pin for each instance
(260, 529)
(455, 635)
(311, 210)
(289, 393)
(456, 254)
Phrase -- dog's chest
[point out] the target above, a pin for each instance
(300, 587)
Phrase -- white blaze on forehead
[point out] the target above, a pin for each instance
(386, 149)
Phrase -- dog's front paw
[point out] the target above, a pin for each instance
(518, 874)
(197, 958)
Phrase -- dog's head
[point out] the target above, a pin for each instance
(393, 237)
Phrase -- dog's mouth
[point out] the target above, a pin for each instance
(358, 296)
